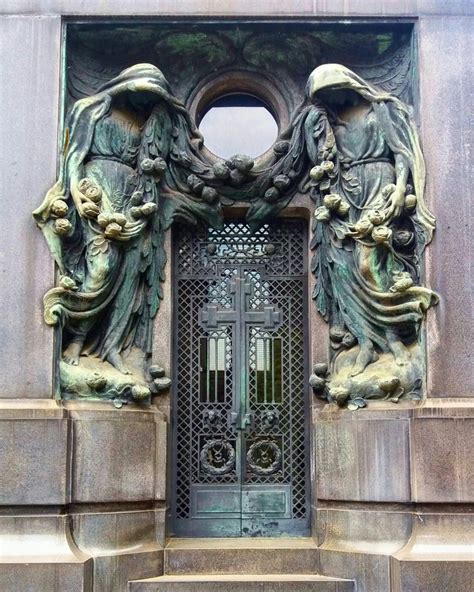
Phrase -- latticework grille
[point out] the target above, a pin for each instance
(208, 448)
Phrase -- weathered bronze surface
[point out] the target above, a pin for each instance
(128, 169)
(132, 164)
(355, 150)
(240, 395)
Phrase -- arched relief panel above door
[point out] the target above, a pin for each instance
(279, 55)
(271, 61)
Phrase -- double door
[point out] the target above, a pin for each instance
(240, 465)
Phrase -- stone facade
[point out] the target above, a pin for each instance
(84, 487)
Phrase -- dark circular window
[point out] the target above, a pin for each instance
(238, 124)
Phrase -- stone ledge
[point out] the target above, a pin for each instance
(93, 551)
(389, 547)
(256, 556)
(31, 409)
(243, 583)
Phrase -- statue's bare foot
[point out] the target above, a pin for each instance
(400, 353)
(72, 352)
(364, 358)
(115, 359)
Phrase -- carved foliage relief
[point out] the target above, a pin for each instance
(133, 163)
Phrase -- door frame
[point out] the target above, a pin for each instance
(238, 214)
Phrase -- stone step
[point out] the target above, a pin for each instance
(250, 556)
(242, 583)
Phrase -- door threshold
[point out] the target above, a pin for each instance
(241, 543)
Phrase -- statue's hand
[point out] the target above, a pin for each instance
(395, 195)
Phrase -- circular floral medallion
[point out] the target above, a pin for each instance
(264, 457)
(217, 457)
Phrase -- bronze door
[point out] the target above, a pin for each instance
(240, 419)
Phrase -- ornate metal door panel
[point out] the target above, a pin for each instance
(240, 411)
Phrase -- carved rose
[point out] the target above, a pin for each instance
(316, 173)
(90, 210)
(62, 226)
(160, 384)
(322, 214)
(403, 237)
(317, 383)
(364, 227)
(83, 185)
(59, 208)
(104, 219)
(336, 334)
(195, 184)
(136, 198)
(136, 212)
(119, 219)
(221, 170)
(241, 162)
(184, 159)
(237, 178)
(159, 165)
(157, 371)
(343, 208)
(320, 369)
(381, 234)
(281, 182)
(376, 217)
(147, 165)
(328, 166)
(148, 208)
(140, 392)
(332, 201)
(93, 192)
(113, 230)
(271, 194)
(209, 195)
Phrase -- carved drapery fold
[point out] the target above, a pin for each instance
(132, 163)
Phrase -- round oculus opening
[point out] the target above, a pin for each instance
(238, 123)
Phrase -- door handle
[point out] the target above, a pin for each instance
(247, 421)
(240, 422)
(233, 416)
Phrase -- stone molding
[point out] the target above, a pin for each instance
(242, 8)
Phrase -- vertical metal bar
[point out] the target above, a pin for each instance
(265, 370)
(208, 368)
(273, 368)
(216, 366)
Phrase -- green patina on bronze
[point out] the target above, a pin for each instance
(129, 151)
(355, 150)
(132, 164)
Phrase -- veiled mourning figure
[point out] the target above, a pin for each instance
(365, 253)
(128, 150)
(356, 149)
